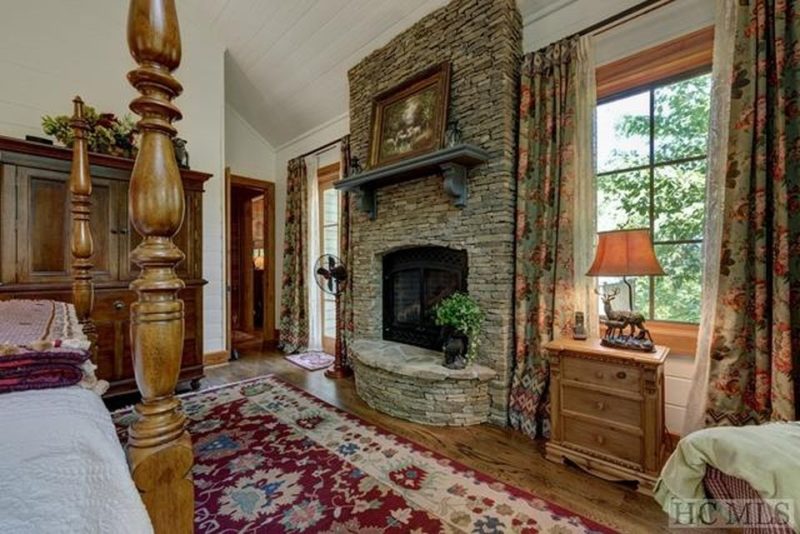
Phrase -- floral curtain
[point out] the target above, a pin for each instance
(755, 350)
(547, 178)
(294, 297)
(344, 308)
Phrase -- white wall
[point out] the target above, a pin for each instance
(51, 50)
(246, 152)
(310, 140)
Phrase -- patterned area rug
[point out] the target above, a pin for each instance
(312, 361)
(271, 458)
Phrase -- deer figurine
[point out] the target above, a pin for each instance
(619, 320)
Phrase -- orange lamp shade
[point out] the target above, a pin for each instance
(625, 253)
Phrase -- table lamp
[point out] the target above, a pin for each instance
(625, 253)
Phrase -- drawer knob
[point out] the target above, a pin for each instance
(621, 375)
(600, 405)
(600, 439)
(598, 374)
(118, 305)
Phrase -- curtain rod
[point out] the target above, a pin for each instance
(622, 17)
(320, 148)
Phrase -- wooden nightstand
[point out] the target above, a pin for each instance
(607, 410)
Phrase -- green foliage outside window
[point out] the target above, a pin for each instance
(651, 174)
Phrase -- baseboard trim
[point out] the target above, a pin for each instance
(216, 358)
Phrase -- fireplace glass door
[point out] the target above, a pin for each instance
(416, 280)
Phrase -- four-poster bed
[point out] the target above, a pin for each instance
(62, 444)
(159, 447)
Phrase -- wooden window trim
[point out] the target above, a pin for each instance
(328, 174)
(683, 56)
(687, 54)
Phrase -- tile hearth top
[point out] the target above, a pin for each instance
(412, 361)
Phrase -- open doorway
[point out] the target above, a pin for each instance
(250, 263)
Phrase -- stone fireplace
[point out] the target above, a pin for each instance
(420, 246)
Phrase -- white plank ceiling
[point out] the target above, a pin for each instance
(287, 60)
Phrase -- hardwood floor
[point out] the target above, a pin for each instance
(505, 454)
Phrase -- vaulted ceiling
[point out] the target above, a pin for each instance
(287, 60)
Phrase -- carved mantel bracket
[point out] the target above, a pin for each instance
(452, 163)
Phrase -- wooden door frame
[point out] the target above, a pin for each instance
(268, 190)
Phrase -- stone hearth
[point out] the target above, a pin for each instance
(411, 383)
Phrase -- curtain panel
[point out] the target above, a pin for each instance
(553, 174)
(344, 304)
(719, 122)
(294, 296)
(313, 246)
(755, 349)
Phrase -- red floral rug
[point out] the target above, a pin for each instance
(271, 458)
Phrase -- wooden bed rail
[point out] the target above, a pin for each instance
(81, 244)
(159, 447)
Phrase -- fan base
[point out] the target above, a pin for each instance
(340, 372)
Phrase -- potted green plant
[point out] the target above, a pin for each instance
(460, 318)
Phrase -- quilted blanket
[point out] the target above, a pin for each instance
(62, 469)
(767, 457)
(42, 345)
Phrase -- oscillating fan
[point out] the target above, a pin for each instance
(330, 273)
(331, 276)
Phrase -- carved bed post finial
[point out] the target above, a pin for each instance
(81, 244)
(159, 447)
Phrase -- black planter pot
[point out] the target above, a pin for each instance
(455, 345)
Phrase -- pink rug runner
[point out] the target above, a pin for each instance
(312, 361)
(271, 458)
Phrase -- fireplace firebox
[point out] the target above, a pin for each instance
(415, 280)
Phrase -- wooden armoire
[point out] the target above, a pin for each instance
(35, 255)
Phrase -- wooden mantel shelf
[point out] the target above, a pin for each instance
(452, 163)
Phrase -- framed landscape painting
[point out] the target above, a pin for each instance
(410, 119)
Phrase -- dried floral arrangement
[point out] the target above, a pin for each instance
(108, 134)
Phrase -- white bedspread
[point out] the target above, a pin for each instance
(62, 468)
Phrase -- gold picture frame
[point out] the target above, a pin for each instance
(410, 118)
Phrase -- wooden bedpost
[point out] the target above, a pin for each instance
(81, 244)
(159, 447)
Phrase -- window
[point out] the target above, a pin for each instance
(651, 165)
(329, 244)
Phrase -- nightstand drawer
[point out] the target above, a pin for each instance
(604, 440)
(603, 406)
(610, 375)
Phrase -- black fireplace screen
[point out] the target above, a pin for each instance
(415, 280)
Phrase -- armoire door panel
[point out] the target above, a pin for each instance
(44, 217)
(8, 224)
